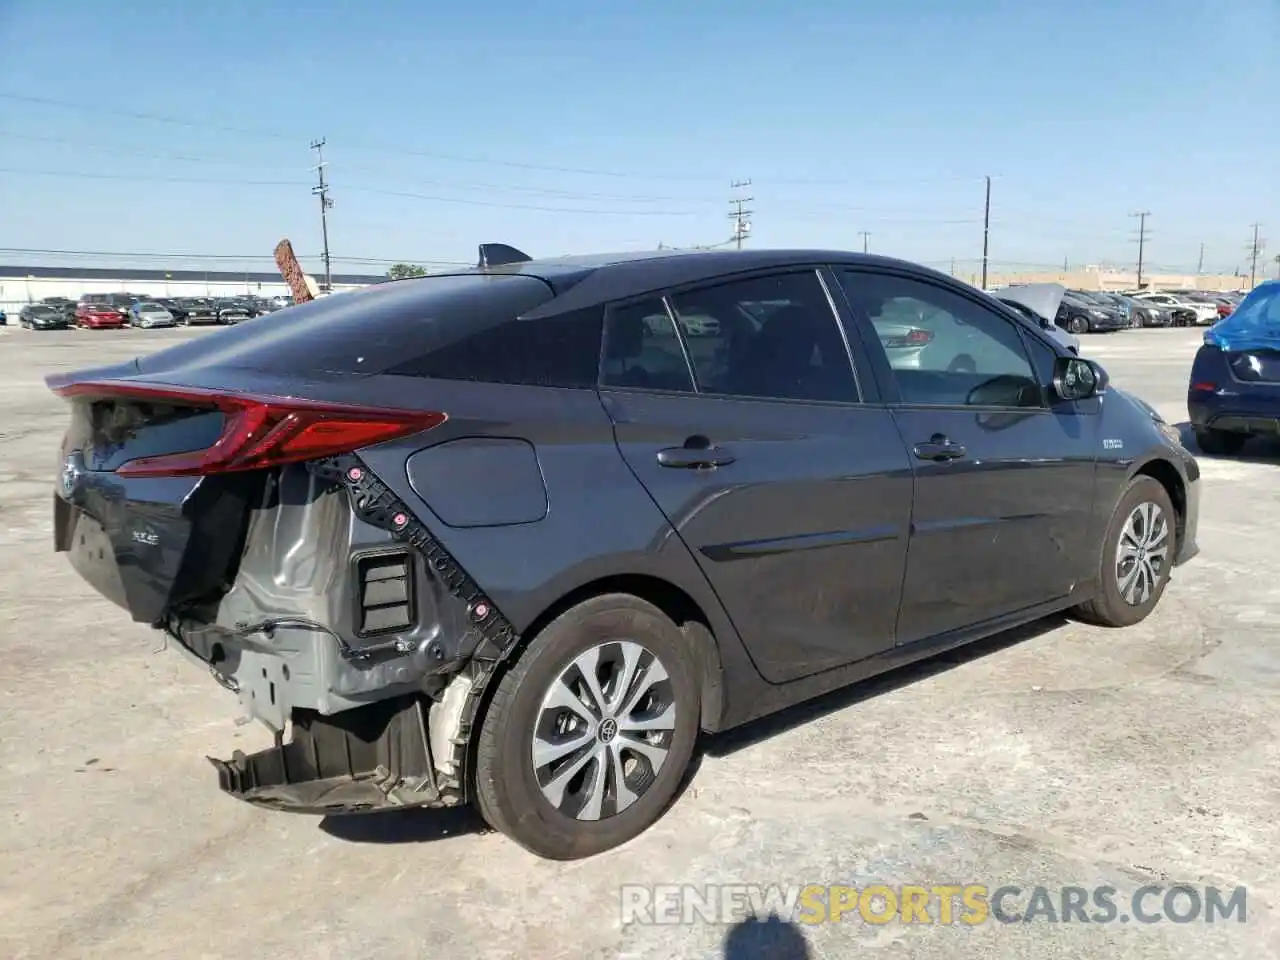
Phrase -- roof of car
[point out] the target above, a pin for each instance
(588, 280)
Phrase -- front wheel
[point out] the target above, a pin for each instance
(1220, 443)
(1078, 325)
(590, 733)
(1137, 556)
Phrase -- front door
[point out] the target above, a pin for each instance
(749, 431)
(1004, 477)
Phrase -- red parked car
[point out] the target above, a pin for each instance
(97, 316)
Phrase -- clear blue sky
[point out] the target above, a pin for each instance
(573, 126)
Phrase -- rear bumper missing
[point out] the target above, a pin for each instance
(375, 758)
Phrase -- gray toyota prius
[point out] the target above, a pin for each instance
(515, 536)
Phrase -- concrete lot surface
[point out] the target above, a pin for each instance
(1067, 755)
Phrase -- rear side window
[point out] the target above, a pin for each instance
(454, 327)
(642, 349)
(561, 351)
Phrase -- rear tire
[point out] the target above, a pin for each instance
(1220, 443)
(1137, 556)
(614, 793)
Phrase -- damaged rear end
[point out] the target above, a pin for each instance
(245, 524)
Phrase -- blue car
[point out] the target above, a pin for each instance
(1234, 393)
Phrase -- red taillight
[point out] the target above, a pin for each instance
(261, 431)
(917, 337)
(1203, 387)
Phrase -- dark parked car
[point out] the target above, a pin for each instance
(1234, 391)
(42, 316)
(1077, 316)
(1038, 303)
(1099, 298)
(198, 310)
(233, 310)
(1144, 313)
(66, 306)
(512, 537)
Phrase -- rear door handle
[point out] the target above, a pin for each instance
(695, 457)
(938, 449)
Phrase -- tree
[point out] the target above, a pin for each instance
(400, 271)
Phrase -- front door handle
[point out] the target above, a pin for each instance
(696, 454)
(939, 449)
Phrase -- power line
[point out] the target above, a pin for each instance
(463, 185)
(100, 111)
(1142, 239)
(86, 175)
(321, 190)
(740, 216)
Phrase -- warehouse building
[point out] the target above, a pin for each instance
(22, 285)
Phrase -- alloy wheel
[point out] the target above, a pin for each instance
(1142, 555)
(604, 730)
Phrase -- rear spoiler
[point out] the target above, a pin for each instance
(499, 255)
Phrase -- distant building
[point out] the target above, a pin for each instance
(27, 284)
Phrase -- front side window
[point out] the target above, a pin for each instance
(944, 349)
(770, 337)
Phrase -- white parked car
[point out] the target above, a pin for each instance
(1205, 312)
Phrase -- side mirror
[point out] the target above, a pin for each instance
(1075, 378)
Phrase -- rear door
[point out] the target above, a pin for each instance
(737, 407)
(1003, 476)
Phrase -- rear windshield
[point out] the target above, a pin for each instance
(451, 327)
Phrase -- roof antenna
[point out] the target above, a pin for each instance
(499, 255)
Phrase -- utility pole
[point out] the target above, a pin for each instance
(321, 190)
(740, 216)
(1200, 264)
(1277, 259)
(1254, 251)
(866, 240)
(1142, 240)
(986, 233)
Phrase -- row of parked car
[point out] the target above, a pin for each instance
(108, 310)
(1092, 311)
